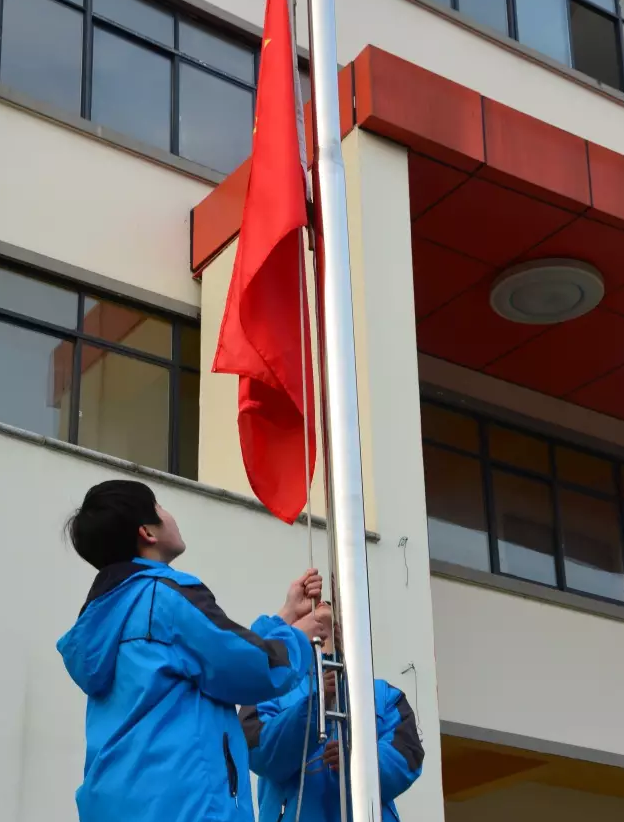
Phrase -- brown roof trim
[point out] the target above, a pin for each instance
(455, 126)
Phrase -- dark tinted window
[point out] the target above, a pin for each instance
(36, 379)
(595, 45)
(526, 505)
(189, 425)
(131, 89)
(543, 25)
(124, 407)
(127, 326)
(515, 448)
(583, 33)
(449, 428)
(41, 51)
(455, 509)
(587, 470)
(593, 545)
(489, 12)
(153, 73)
(98, 372)
(227, 56)
(33, 298)
(144, 18)
(525, 528)
(222, 141)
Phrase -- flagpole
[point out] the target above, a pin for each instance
(340, 419)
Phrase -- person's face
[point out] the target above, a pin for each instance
(164, 541)
(325, 615)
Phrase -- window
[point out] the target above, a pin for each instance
(112, 377)
(142, 69)
(584, 34)
(518, 504)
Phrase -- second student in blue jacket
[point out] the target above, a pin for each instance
(275, 732)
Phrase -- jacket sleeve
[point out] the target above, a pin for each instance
(275, 737)
(401, 753)
(228, 662)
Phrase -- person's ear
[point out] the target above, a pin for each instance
(146, 536)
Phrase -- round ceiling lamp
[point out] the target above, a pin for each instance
(547, 291)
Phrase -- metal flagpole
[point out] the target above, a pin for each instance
(340, 420)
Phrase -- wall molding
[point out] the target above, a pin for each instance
(218, 494)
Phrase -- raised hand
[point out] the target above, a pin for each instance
(331, 755)
(312, 627)
(329, 680)
(301, 594)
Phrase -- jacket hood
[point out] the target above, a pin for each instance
(89, 649)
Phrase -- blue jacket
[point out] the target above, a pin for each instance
(275, 733)
(163, 668)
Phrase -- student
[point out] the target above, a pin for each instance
(164, 668)
(275, 732)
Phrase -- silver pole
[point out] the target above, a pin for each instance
(340, 413)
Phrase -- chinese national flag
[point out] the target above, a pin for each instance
(260, 337)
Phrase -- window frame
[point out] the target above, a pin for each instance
(78, 338)
(173, 53)
(615, 17)
(483, 420)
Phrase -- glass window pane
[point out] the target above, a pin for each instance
(217, 52)
(584, 469)
(124, 408)
(442, 425)
(127, 326)
(306, 85)
(42, 51)
(525, 523)
(39, 300)
(139, 16)
(190, 345)
(216, 120)
(595, 45)
(189, 425)
(36, 376)
(455, 510)
(607, 5)
(489, 12)
(518, 449)
(131, 89)
(592, 544)
(543, 25)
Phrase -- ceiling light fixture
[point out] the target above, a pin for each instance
(547, 291)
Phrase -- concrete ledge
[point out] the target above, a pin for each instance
(528, 590)
(219, 494)
(529, 743)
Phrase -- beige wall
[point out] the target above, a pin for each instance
(418, 34)
(83, 202)
(537, 803)
(220, 461)
(528, 668)
(383, 302)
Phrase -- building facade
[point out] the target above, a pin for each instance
(479, 138)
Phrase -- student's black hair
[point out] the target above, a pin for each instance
(104, 530)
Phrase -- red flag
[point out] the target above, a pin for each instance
(260, 337)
